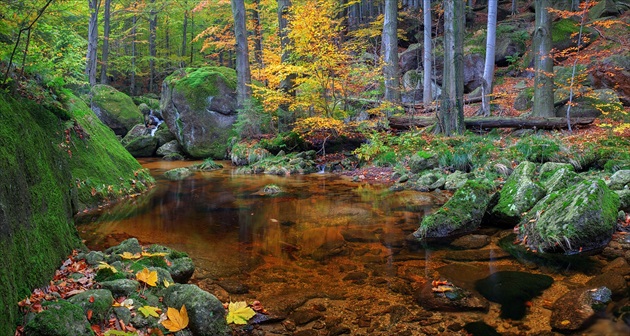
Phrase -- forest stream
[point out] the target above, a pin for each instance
(328, 256)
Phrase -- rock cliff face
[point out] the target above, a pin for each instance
(51, 165)
(199, 107)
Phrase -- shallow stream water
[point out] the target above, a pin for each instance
(327, 253)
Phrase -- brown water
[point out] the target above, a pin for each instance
(326, 248)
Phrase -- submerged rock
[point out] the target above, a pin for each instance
(453, 299)
(576, 309)
(512, 289)
(461, 214)
(578, 218)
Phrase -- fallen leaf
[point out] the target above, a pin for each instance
(177, 320)
(156, 254)
(149, 311)
(104, 265)
(91, 299)
(128, 255)
(239, 313)
(89, 314)
(148, 277)
(167, 284)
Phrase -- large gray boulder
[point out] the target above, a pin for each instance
(620, 180)
(580, 217)
(115, 109)
(518, 195)
(461, 214)
(205, 311)
(199, 107)
(139, 141)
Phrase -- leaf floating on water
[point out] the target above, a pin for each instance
(239, 313)
(177, 320)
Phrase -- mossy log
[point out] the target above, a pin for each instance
(406, 122)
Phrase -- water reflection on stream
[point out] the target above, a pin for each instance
(326, 244)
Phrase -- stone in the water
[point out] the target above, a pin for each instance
(480, 328)
(512, 289)
(576, 310)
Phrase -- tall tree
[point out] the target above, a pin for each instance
(427, 95)
(390, 52)
(134, 31)
(91, 58)
(488, 69)
(283, 26)
(543, 62)
(106, 31)
(243, 72)
(153, 19)
(451, 113)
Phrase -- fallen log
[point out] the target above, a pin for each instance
(406, 122)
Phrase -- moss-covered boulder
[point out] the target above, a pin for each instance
(461, 214)
(518, 195)
(60, 318)
(99, 301)
(282, 165)
(620, 180)
(624, 199)
(121, 287)
(510, 42)
(580, 217)
(422, 161)
(246, 153)
(115, 109)
(608, 8)
(181, 269)
(613, 72)
(205, 311)
(169, 148)
(177, 174)
(564, 34)
(139, 141)
(199, 107)
(163, 134)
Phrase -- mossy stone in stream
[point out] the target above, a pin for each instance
(205, 311)
(60, 318)
(178, 174)
(512, 289)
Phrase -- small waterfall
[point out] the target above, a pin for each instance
(154, 123)
(322, 168)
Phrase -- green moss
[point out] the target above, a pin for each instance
(150, 262)
(563, 28)
(117, 103)
(198, 83)
(36, 229)
(108, 275)
(101, 168)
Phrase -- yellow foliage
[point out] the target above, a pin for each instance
(239, 313)
(148, 277)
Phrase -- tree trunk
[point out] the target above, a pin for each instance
(243, 73)
(152, 47)
(390, 52)
(543, 62)
(480, 123)
(106, 30)
(184, 37)
(91, 57)
(488, 69)
(451, 113)
(427, 95)
(258, 37)
(287, 84)
(132, 75)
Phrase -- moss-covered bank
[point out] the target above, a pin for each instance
(46, 160)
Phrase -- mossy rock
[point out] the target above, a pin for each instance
(620, 180)
(422, 161)
(169, 148)
(181, 269)
(561, 179)
(523, 101)
(564, 34)
(624, 199)
(206, 165)
(247, 153)
(99, 301)
(130, 245)
(461, 214)
(121, 287)
(60, 318)
(199, 107)
(115, 109)
(578, 218)
(178, 174)
(519, 194)
(205, 311)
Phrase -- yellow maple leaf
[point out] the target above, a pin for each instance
(129, 255)
(239, 313)
(166, 283)
(149, 311)
(104, 265)
(177, 320)
(148, 277)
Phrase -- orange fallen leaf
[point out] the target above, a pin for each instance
(89, 314)
(177, 320)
